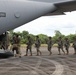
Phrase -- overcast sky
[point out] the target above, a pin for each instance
(66, 24)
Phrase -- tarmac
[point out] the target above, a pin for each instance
(40, 65)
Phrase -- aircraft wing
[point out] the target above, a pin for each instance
(61, 5)
(66, 6)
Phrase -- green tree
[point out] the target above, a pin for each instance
(43, 38)
(71, 37)
(57, 33)
(24, 35)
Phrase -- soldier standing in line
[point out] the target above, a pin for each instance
(29, 46)
(16, 45)
(74, 45)
(67, 44)
(50, 43)
(37, 45)
(60, 45)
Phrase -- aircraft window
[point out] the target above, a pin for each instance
(2, 14)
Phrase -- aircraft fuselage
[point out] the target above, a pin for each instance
(14, 13)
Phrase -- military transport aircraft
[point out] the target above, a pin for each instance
(14, 13)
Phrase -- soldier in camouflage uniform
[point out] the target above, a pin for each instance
(74, 45)
(3, 39)
(29, 46)
(50, 43)
(7, 40)
(16, 45)
(37, 45)
(67, 44)
(60, 45)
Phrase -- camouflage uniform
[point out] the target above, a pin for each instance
(60, 45)
(67, 44)
(29, 46)
(74, 45)
(16, 44)
(3, 41)
(7, 40)
(50, 43)
(37, 45)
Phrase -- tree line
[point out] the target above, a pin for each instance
(24, 34)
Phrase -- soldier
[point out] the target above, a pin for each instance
(50, 43)
(67, 44)
(74, 45)
(7, 40)
(3, 41)
(16, 45)
(37, 45)
(29, 46)
(60, 45)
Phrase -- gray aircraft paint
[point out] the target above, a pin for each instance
(52, 1)
(14, 13)
(21, 12)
